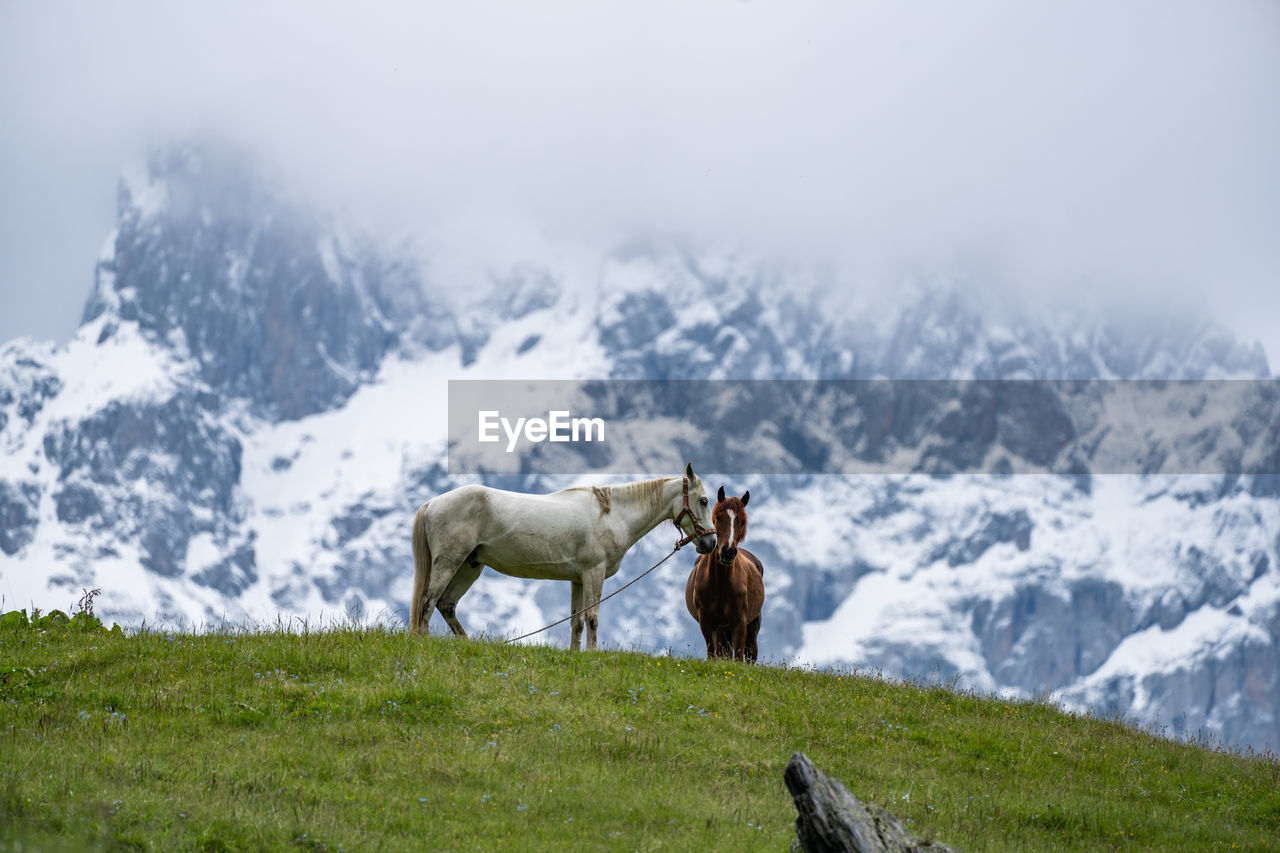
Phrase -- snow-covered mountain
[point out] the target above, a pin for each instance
(255, 405)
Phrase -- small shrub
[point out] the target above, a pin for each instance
(14, 620)
(54, 619)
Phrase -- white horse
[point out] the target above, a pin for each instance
(578, 535)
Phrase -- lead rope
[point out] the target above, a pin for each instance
(601, 601)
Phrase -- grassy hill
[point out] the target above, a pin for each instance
(366, 739)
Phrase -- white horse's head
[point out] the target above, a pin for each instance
(696, 523)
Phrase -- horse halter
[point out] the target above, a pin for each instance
(698, 530)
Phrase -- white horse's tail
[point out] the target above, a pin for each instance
(418, 615)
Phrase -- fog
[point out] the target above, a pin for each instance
(1127, 149)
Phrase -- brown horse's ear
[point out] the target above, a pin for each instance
(720, 494)
(746, 496)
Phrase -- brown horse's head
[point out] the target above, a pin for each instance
(730, 519)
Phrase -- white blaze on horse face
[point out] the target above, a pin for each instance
(733, 517)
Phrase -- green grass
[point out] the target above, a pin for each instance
(366, 739)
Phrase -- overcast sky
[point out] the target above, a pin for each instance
(1132, 145)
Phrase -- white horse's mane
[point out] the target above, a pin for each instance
(648, 492)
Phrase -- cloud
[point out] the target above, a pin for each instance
(1129, 145)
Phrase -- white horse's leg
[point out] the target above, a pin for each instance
(592, 586)
(443, 567)
(577, 618)
(463, 578)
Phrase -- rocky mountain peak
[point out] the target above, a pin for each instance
(271, 303)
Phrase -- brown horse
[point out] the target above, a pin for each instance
(725, 590)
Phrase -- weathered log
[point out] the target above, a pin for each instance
(831, 820)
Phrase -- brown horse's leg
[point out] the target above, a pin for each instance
(740, 639)
(709, 636)
(724, 643)
(753, 629)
